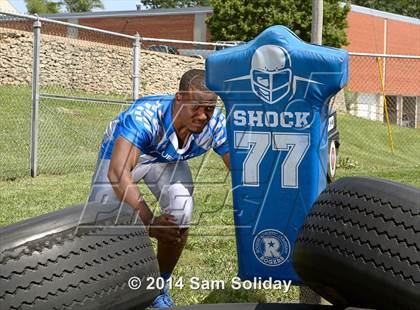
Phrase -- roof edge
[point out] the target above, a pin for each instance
(203, 10)
(373, 12)
(151, 12)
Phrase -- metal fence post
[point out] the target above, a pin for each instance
(317, 21)
(35, 99)
(136, 66)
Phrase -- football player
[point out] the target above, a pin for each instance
(151, 141)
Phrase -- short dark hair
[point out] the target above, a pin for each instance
(193, 78)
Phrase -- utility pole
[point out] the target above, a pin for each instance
(306, 295)
(317, 16)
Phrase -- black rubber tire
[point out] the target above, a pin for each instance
(255, 306)
(360, 245)
(47, 264)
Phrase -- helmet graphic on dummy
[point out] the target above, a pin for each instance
(271, 73)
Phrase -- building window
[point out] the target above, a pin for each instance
(391, 102)
(409, 112)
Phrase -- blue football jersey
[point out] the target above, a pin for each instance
(148, 125)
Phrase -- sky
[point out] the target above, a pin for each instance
(110, 5)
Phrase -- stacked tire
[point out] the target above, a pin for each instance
(77, 258)
(360, 245)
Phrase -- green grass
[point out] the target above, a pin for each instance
(210, 253)
(69, 131)
(15, 131)
(70, 134)
(365, 150)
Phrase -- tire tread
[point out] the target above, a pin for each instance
(368, 229)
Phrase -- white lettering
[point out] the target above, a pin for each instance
(239, 118)
(259, 283)
(287, 285)
(301, 119)
(194, 283)
(255, 118)
(246, 284)
(236, 283)
(272, 246)
(271, 119)
(283, 116)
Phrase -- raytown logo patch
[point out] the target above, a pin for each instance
(271, 247)
(271, 74)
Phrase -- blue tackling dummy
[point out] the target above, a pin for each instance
(276, 90)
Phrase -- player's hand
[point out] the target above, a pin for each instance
(165, 229)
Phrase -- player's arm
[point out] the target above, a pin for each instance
(226, 160)
(220, 144)
(124, 158)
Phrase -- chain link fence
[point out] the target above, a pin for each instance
(379, 115)
(85, 81)
(55, 109)
(163, 62)
(55, 116)
(15, 96)
(87, 76)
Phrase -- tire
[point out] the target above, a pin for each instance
(332, 161)
(49, 262)
(360, 245)
(255, 306)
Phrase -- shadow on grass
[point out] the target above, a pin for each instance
(230, 295)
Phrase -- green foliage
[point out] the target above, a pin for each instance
(350, 100)
(244, 19)
(403, 7)
(42, 6)
(347, 163)
(157, 4)
(82, 5)
(52, 7)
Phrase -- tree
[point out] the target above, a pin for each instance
(82, 5)
(243, 20)
(157, 4)
(42, 6)
(403, 7)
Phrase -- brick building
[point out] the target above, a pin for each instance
(369, 31)
(372, 31)
(181, 24)
(366, 31)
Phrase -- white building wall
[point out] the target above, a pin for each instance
(6, 6)
(379, 108)
(200, 27)
(399, 110)
(369, 106)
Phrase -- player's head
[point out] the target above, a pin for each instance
(196, 102)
